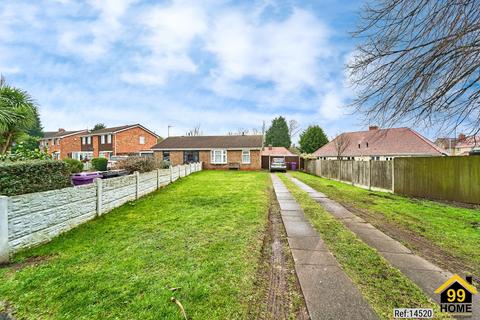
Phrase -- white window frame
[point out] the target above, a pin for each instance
(102, 139)
(246, 153)
(83, 140)
(89, 140)
(141, 140)
(109, 138)
(221, 153)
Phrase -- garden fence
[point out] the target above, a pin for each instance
(30, 219)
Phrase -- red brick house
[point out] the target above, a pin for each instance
(115, 141)
(461, 146)
(215, 152)
(379, 144)
(59, 144)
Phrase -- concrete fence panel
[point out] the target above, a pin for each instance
(30, 219)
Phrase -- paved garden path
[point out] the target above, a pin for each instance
(425, 274)
(329, 293)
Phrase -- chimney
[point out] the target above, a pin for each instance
(469, 279)
(461, 137)
(372, 128)
(270, 147)
(61, 130)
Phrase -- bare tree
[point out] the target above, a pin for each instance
(419, 63)
(341, 143)
(293, 128)
(195, 131)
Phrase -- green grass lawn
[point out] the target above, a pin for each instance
(455, 230)
(202, 234)
(382, 285)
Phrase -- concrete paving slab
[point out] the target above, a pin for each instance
(291, 213)
(382, 245)
(329, 294)
(319, 258)
(404, 261)
(289, 205)
(299, 229)
(428, 280)
(314, 243)
(284, 196)
(294, 219)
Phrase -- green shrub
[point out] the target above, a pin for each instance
(141, 164)
(33, 176)
(74, 166)
(22, 152)
(100, 164)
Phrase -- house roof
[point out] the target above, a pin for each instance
(277, 151)
(383, 142)
(60, 134)
(119, 128)
(468, 142)
(210, 142)
(453, 279)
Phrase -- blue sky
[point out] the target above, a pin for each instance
(223, 65)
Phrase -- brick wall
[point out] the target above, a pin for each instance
(128, 141)
(176, 158)
(67, 145)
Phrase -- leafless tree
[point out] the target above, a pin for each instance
(341, 143)
(293, 128)
(195, 131)
(419, 63)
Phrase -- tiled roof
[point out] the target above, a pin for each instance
(210, 142)
(113, 129)
(468, 142)
(388, 142)
(277, 151)
(59, 134)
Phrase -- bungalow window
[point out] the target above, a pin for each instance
(89, 140)
(83, 140)
(166, 155)
(102, 139)
(245, 156)
(142, 140)
(109, 138)
(218, 156)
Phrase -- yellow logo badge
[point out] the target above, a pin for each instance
(456, 295)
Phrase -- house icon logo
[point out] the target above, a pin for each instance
(456, 295)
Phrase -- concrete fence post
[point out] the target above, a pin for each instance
(99, 183)
(137, 185)
(171, 173)
(370, 174)
(393, 175)
(185, 169)
(158, 178)
(4, 250)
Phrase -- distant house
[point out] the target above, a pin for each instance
(215, 152)
(269, 153)
(115, 141)
(461, 146)
(59, 144)
(379, 144)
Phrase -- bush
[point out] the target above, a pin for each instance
(33, 176)
(100, 164)
(74, 166)
(141, 164)
(22, 152)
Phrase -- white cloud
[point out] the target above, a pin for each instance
(92, 40)
(169, 32)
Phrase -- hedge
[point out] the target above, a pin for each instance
(100, 164)
(33, 176)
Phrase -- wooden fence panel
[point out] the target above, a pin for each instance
(443, 178)
(381, 172)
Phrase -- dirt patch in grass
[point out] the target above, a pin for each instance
(414, 241)
(6, 311)
(30, 261)
(279, 295)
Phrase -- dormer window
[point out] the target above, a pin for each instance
(367, 144)
(359, 146)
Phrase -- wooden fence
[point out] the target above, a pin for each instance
(440, 178)
(368, 174)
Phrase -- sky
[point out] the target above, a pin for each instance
(221, 65)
